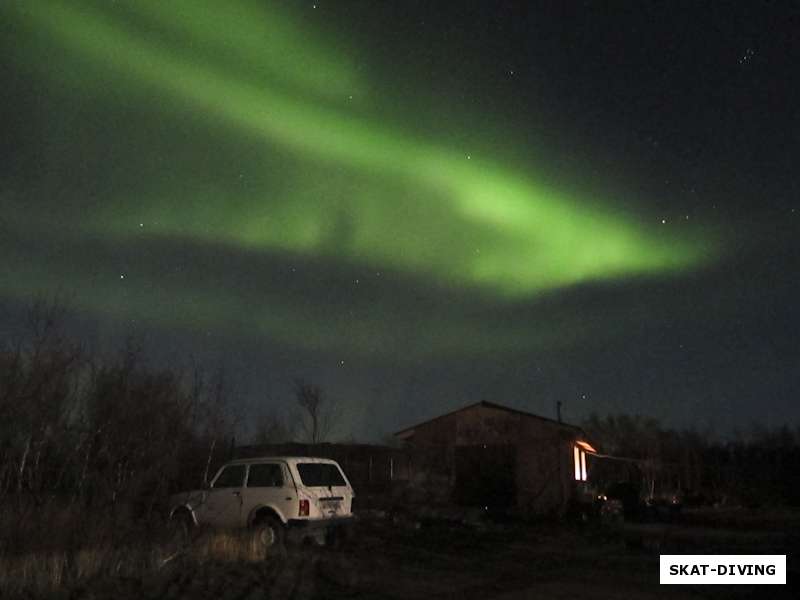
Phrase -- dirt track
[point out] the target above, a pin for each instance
(288, 578)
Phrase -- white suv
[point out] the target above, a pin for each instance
(301, 496)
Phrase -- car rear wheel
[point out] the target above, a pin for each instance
(270, 533)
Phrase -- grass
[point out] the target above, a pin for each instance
(42, 573)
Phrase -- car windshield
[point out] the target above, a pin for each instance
(320, 475)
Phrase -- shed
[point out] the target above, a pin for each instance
(485, 454)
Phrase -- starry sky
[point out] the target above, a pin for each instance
(417, 205)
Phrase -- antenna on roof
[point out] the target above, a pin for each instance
(558, 410)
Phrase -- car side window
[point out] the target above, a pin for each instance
(265, 475)
(232, 476)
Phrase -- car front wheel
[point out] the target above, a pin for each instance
(181, 527)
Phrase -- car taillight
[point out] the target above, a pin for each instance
(304, 508)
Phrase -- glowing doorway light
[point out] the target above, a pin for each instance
(579, 457)
(583, 466)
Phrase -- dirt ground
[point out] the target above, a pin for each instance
(386, 560)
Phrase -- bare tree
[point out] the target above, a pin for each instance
(39, 380)
(317, 412)
(219, 422)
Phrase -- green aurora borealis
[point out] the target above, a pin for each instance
(286, 159)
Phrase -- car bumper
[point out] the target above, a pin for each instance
(319, 524)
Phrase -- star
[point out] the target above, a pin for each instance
(748, 55)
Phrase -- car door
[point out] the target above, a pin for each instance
(269, 484)
(223, 505)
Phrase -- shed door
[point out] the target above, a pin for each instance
(486, 475)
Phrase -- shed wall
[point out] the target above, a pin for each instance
(543, 452)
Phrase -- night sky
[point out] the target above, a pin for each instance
(417, 205)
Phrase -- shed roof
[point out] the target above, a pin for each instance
(486, 404)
